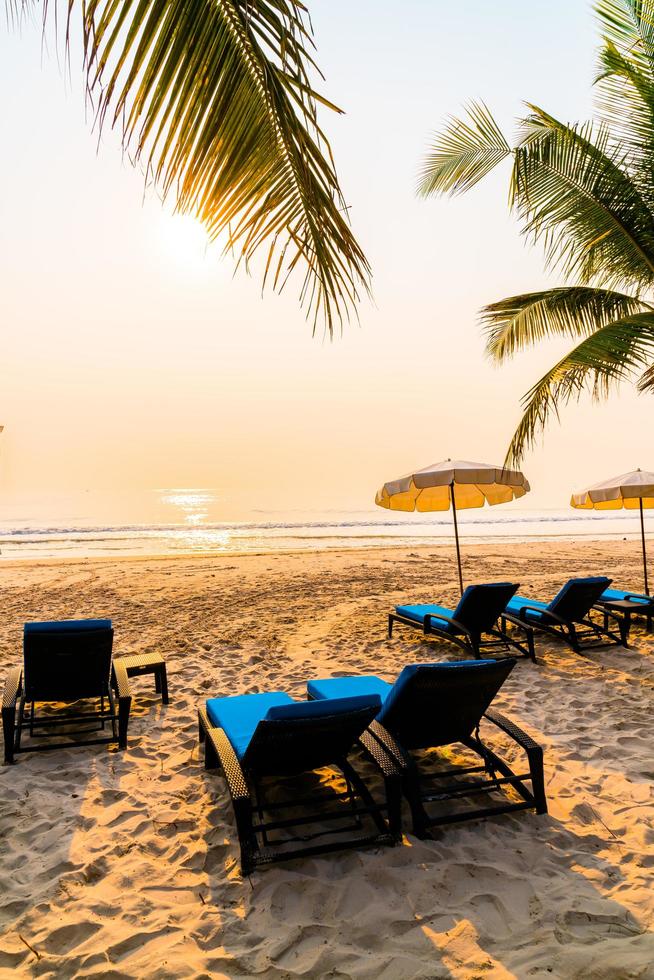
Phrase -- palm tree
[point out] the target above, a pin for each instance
(215, 100)
(586, 192)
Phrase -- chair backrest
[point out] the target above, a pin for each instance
(480, 606)
(295, 738)
(436, 704)
(67, 660)
(577, 597)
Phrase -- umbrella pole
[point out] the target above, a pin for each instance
(642, 538)
(456, 538)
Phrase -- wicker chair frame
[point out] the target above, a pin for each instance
(418, 724)
(421, 789)
(473, 643)
(580, 634)
(27, 686)
(246, 789)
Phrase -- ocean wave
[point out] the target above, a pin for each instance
(239, 527)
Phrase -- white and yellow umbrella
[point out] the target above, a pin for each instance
(454, 483)
(633, 491)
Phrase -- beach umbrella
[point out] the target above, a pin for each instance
(452, 483)
(633, 491)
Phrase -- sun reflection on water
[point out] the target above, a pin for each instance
(194, 504)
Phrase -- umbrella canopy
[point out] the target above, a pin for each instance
(455, 483)
(633, 491)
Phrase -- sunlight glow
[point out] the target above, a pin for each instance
(185, 242)
(193, 503)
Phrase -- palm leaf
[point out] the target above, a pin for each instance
(609, 356)
(463, 153)
(571, 192)
(625, 99)
(629, 26)
(576, 311)
(214, 98)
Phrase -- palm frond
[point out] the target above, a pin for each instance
(463, 153)
(609, 356)
(625, 99)
(646, 380)
(629, 26)
(572, 193)
(625, 82)
(214, 98)
(575, 311)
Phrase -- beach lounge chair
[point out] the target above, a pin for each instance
(476, 616)
(434, 705)
(567, 615)
(642, 604)
(65, 662)
(262, 741)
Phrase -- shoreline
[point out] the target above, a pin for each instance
(467, 546)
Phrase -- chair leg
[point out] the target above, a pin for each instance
(574, 642)
(124, 705)
(394, 801)
(535, 757)
(112, 708)
(201, 732)
(9, 731)
(163, 684)
(412, 792)
(246, 836)
(390, 626)
(19, 724)
(530, 645)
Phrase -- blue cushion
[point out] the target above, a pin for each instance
(240, 714)
(407, 673)
(318, 709)
(518, 601)
(68, 625)
(418, 613)
(618, 595)
(348, 687)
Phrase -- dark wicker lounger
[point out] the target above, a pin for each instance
(641, 603)
(568, 615)
(477, 616)
(256, 738)
(432, 705)
(67, 661)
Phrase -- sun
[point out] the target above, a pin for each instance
(186, 244)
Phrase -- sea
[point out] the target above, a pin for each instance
(200, 520)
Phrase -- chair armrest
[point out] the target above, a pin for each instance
(229, 763)
(511, 729)
(13, 687)
(522, 623)
(447, 619)
(543, 612)
(121, 680)
(391, 746)
(380, 754)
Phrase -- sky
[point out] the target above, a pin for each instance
(133, 358)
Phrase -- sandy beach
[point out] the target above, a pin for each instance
(125, 864)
